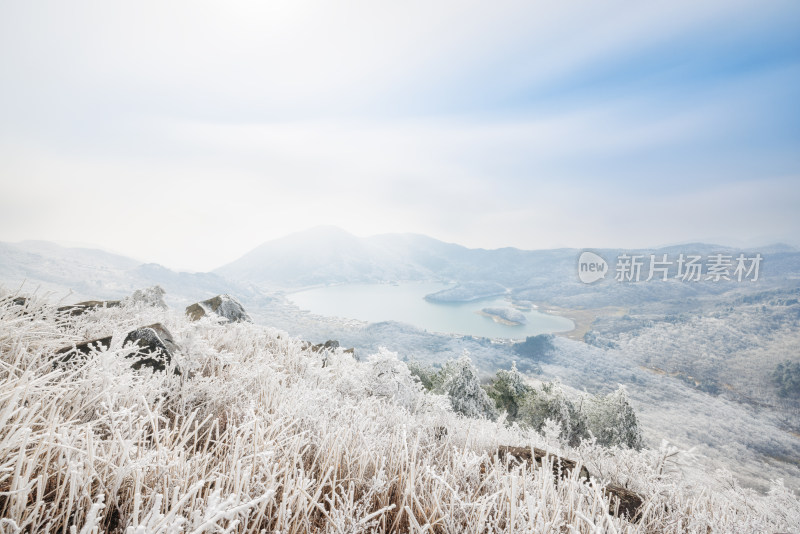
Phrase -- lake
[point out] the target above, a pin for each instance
(405, 303)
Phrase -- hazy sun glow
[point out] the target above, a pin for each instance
(188, 133)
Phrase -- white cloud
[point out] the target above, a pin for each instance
(192, 131)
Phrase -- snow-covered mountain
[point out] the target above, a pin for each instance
(653, 348)
(85, 274)
(329, 255)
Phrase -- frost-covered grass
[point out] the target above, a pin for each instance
(259, 434)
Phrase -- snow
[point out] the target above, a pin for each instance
(259, 435)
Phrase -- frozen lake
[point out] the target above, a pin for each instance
(405, 303)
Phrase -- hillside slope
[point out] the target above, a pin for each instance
(260, 433)
(83, 274)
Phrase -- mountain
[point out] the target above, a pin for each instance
(327, 254)
(92, 274)
(306, 258)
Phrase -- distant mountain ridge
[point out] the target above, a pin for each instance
(329, 255)
(92, 273)
(326, 255)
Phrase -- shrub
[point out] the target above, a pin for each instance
(459, 381)
(787, 377)
(537, 348)
(508, 390)
(613, 421)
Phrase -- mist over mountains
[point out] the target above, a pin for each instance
(91, 273)
(695, 357)
(329, 255)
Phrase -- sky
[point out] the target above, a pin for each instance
(187, 133)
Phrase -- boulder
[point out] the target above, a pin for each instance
(328, 346)
(156, 347)
(324, 349)
(331, 344)
(18, 304)
(223, 306)
(561, 466)
(68, 354)
(151, 296)
(623, 502)
(16, 301)
(74, 310)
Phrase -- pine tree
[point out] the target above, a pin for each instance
(459, 381)
(549, 402)
(508, 390)
(613, 421)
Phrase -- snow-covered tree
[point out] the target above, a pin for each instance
(459, 381)
(613, 421)
(548, 401)
(610, 418)
(508, 390)
(387, 376)
(428, 376)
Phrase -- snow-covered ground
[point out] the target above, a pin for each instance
(260, 434)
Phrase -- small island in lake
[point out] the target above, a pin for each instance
(507, 316)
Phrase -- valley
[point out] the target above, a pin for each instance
(696, 359)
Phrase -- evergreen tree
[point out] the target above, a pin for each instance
(613, 421)
(549, 402)
(508, 390)
(787, 378)
(459, 381)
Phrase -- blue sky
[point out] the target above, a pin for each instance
(187, 133)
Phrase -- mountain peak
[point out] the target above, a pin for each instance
(322, 230)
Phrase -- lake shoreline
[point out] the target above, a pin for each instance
(405, 302)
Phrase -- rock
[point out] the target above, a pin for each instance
(16, 301)
(151, 296)
(223, 306)
(81, 350)
(156, 347)
(331, 344)
(326, 348)
(624, 502)
(561, 466)
(154, 343)
(80, 308)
